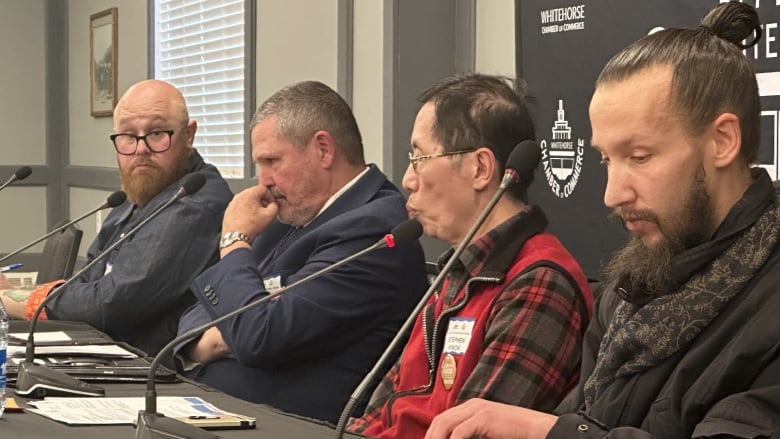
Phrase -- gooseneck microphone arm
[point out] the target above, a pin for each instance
(112, 201)
(522, 161)
(406, 232)
(30, 348)
(19, 174)
(400, 336)
(193, 183)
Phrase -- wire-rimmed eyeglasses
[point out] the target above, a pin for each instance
(414, 160)
(156, 141)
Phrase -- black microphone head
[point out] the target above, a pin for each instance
(520, 165)
(524, 158)
(193, 183)
(22, 172)
(115, 199)
(407, 232)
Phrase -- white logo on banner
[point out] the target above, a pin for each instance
(562, 157)
(570, 18)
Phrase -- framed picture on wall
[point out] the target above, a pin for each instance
(103, 62)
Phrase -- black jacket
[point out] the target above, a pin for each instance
(725, 384)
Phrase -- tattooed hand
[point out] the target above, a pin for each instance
(14, 302)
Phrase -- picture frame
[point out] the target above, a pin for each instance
(103, 59)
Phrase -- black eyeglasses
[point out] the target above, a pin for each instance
(415, 160)
(156, 141)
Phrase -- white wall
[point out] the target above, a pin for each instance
(24, 217)
(22, 119)
(368, 79)
(296, 41)
(495, 37)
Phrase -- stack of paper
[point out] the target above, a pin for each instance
(97, 411)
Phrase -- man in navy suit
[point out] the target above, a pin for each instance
(316, 203)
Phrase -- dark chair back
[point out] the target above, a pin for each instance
(59, 254)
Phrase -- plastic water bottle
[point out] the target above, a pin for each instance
(3, 350)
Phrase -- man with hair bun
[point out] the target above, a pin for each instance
(685, 340)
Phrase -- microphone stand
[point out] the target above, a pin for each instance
(509, 177)
(39, 380)
(110, 202)
(151, 424)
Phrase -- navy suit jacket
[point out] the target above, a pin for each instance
(306, 350)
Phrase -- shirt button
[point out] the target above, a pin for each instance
(582, 428)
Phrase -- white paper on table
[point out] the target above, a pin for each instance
(44, 337)
(112, 411)
(87, 350)
(19, 360)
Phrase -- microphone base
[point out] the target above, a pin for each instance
(157, 426)
(37, 381)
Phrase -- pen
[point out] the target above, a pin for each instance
(10, 267)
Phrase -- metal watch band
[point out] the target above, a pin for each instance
(231, 237)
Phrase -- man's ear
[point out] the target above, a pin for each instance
(192, 128)
(484, 168)
(325, 147)
(726, 140)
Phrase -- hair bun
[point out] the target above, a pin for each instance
(733, 22)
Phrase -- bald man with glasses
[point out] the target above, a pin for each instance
(138, 292)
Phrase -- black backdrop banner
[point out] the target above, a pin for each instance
(562, 46)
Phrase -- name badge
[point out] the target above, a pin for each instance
(273, 284)
(458, 335)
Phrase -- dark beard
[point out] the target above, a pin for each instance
(643, 273)
(140, 189)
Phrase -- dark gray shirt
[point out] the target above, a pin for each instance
(138, 292)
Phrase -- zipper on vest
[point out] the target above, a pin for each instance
(431, 348)
(422, 390)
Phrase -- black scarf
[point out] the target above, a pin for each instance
(703, 280)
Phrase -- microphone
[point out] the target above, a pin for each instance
(112, 201)
(19, 174)
(35, 380)
(151, 424)
(521, 163)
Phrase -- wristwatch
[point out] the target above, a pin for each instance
(231, 237)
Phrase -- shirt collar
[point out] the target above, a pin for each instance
(338, 194)
(497, 249)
